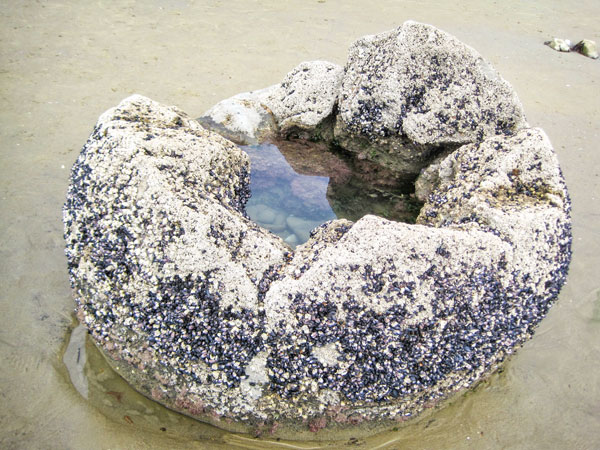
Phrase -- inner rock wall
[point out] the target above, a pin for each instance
(408, 93)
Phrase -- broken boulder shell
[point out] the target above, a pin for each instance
(408, 93)
(370, 322)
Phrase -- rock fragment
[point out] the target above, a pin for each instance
(587, 48)
(560, 45)
(300, 103)
(306, 96)
(244, 118)
(412, 92)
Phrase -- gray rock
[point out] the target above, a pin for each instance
(301, 227)
(292, 240)
(158, 249)
(410, 92)
(429, 178)
(508, 174)
(478, 273)
(244, 118)
(279, 224)
(511, 188)
(303, 100)
(265, 214)
(267, 217)
(560, 45)
(306, 96)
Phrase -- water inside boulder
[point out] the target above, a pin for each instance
(298, 185)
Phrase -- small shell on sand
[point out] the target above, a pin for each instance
(586, 48)
(560, 45)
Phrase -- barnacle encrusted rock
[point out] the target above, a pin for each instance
(403, 98)
(300, 103)
(587, 48)
(414, 90)
(306, 96)
(373, 321)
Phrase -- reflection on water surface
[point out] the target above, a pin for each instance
(297, 186)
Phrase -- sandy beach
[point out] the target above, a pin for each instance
(63, 63)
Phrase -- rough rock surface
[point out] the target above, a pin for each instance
(587, 48)
(300, 103)
(403, 97)
(417, 311)
(512, 188)
(372, 321)
(410, 91)
(560, 45)
(429, 177)
(244, 118)
(158, 249)
(306, 96)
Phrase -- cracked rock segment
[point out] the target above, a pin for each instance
(300, 103)
(165, 268)
(306, 96)
(244, 118)
(408, 92)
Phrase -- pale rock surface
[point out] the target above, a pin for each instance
(292, 240)
(429, 177)
(244, 118)
(560, 45)
(510, 187)
(410, 92)
(166, 269)
(301, 227)
(587, 48)
(306, 96)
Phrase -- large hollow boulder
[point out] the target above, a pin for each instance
(374, 321)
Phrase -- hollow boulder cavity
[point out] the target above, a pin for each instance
(297, 185)
(370, 321)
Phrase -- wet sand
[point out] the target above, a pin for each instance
(64, 63)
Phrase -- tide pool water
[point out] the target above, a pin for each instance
(291, 204)
(285, 202)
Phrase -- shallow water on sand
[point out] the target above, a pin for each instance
(65, 62)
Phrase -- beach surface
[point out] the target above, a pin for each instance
(63, 63)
